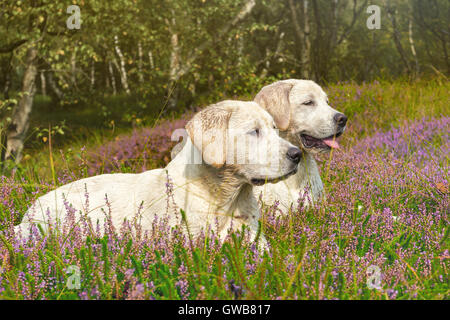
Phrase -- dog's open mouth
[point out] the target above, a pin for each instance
(324, 143)
(260, 182)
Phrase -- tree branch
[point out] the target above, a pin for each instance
(245, 10)
(12, 46)
(356, 14)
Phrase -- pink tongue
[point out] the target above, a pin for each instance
(331, 143)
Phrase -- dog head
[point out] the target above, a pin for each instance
(243, 136)
(301, 110)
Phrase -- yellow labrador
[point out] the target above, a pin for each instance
(231, 146)
(301, 111)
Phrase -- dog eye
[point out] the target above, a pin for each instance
(255, 132)
(308, 103)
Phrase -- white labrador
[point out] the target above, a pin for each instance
(209, 184)
(301, 111)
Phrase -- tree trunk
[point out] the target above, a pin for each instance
(356, 13)
(150, 60)
(73, 68)
(92, 75)
(43, 83)
(246, 9)
(122, 70)
(413, 47)
(18, 127)
(296, 23)
(8, 77)
(113, 80)
(391, 13)
(302, 36)
(316, 55)
(240, 51)
(444, 50)
(108, 86)
(54, 86)
(172, 93)
(306, 52)
(439, 33)
(270, 56)
(333, 37)
(140, 75)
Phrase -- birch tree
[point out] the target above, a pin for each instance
(392, 13)
(122, 70)
(17, 129)
(302, 33)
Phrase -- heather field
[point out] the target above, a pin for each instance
(382, 232)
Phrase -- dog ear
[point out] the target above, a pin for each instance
(275, 99)
(208, 132)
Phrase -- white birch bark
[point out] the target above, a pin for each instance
(174, 56)
(92, 75)
(392, 11)
(73, 68)
(43, 83)
(140, 75)
(150, 60)
(270, 56)
(113, 80)
(122, 70)
(53, 85)
(306, 52)
(302, 33)
(411, 43)
(172, 92)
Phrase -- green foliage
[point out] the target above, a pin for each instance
(180, 54)
(299, 265)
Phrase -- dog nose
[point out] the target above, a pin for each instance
(340, 119)
(294, 154)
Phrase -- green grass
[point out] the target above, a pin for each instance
(316, 253)
(386, 104)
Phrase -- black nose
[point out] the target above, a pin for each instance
(294, 154)
(340, 119)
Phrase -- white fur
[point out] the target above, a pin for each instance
(285, 101)
(207, 192)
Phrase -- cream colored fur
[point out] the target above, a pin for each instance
(209, 192)
(285, 101)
